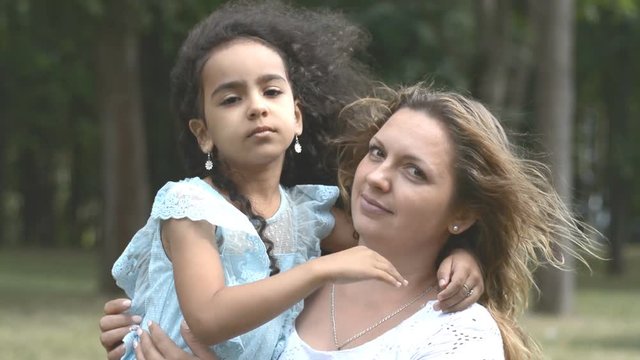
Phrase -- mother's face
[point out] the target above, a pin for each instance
(403, 187)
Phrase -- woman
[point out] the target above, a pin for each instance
(435, 153)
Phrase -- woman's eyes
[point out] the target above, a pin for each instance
(416, 172)
(376, 152)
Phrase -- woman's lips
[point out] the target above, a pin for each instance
(368, 204)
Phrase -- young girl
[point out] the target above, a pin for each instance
(233, 249)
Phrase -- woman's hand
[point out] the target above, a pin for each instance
(114, 325)
(460, 281)
(358, 263)
(156, 345)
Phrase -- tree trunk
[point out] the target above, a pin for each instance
(125, 182)
(4, 233)
(555, 97)
(619, 89)
(494, 25)
(36, 187)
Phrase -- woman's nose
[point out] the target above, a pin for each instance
(379, 178)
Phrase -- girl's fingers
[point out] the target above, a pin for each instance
(391, 270)
(457, 296)
(384, 276)
(459, 277)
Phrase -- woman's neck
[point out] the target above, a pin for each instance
(416, 264)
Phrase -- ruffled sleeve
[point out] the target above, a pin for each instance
(314, 221)
(175, 200)
(187, 199)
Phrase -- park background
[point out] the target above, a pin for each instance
(86, 138)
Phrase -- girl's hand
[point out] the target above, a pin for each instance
(114, 325)
(460, 281)
(156, 345)
(359, 263)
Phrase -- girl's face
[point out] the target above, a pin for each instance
(250, 114)
(403, 188)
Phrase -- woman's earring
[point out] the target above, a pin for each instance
(208, 164)
(297, 147)
(454, 229)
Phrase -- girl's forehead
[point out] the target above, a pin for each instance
(242, 59)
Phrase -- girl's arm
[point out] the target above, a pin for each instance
(216, 313)
(458, 269)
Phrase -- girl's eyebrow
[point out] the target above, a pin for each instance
(235, 84)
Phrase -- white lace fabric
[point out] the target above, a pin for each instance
(426, 335)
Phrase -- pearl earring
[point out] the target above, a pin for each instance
(297, 147)
(454, 229)
(208, 164)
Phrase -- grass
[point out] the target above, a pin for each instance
(606, 320)
(49, 309)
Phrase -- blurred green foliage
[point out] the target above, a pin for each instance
(50, 136)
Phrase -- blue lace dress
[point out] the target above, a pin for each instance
(145, 273)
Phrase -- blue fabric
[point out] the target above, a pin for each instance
(145, 273)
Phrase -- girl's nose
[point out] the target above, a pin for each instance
(258, 107)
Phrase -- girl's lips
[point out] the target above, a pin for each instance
(370, 205)
(260, 130)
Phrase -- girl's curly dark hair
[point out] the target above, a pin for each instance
(318, 49)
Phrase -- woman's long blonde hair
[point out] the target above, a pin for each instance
(522, 221)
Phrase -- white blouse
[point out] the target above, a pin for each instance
(427, 334)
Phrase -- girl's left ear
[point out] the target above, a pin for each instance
(462, 221)
(298, 115)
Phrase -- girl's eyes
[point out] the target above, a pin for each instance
(272, 92)
(230, 100)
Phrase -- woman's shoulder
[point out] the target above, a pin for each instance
(476, 316)
(470, 333)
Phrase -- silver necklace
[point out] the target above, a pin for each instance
(338, 345)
